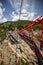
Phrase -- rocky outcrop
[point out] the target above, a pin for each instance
(16, 54)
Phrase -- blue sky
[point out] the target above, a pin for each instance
(9, 10)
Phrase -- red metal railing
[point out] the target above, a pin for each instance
(36, 22)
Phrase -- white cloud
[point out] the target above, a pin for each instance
(15, 3)
(24, 11)
(14, 16)
(31, 15)
(13, 13)
(24, 16)
(28, 10)
(4, 19)
(27, 13)
(2, 10)
(0, 4)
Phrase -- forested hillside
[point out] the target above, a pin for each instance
(7, 26)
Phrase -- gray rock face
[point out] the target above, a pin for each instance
(12, 54)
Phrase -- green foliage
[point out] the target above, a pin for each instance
(37, 27)
(1, 63)
(24, 63)
(5, 27)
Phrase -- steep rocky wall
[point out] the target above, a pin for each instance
(16, 54)
(7, 55)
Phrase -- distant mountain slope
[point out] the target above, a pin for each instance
(7, 26)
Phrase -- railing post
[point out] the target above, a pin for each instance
(41, 44)
(32, 35)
